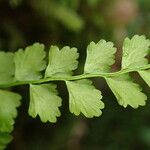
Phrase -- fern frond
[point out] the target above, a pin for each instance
(25, 66)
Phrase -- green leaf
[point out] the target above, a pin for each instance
(7, 67)
(145, 74)
(9, 101)
(62, 62)
(63, 14)
(30, 62)
(100, 57)
(134, 52)
(84, 98)
(5, 138)
(126, 91)
(44, 102)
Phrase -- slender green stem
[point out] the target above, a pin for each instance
(77, 77)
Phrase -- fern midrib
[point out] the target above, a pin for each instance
(76, 77)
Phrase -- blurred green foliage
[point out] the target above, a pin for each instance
(75, 23)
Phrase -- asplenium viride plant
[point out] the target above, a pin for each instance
(25, 67)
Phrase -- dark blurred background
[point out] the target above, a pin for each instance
(76, 23)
